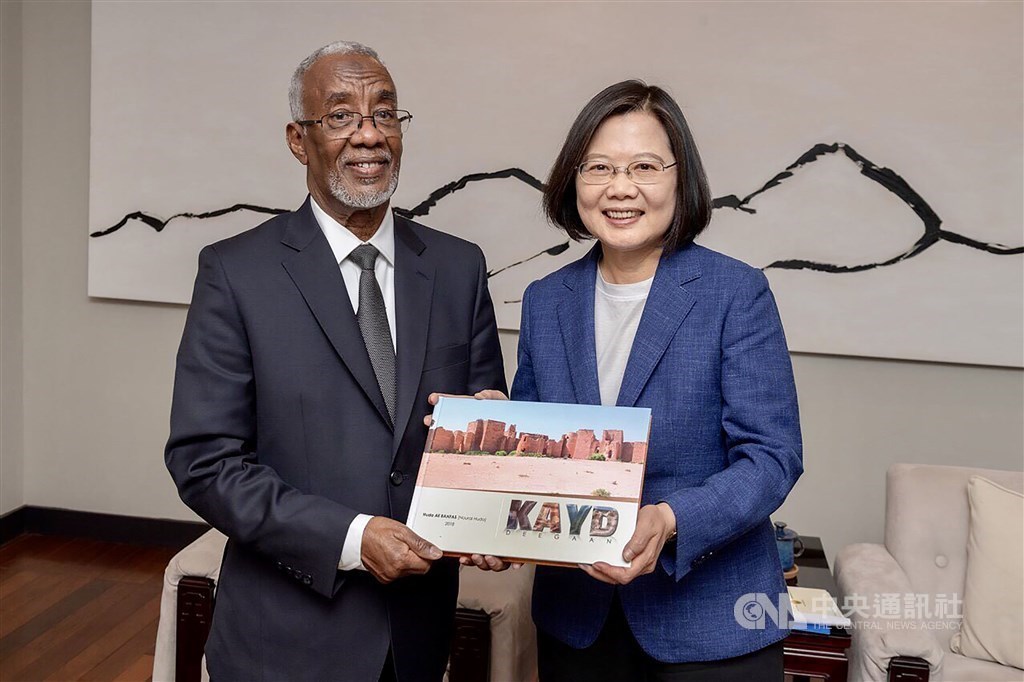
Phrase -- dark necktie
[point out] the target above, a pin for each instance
(373, 323)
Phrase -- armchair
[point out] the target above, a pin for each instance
(494, 634)
(925, 553)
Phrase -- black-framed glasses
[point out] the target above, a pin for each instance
(640, 172)
(341, 124)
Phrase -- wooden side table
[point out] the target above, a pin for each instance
(811, 655)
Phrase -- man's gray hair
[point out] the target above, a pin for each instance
(337, 47)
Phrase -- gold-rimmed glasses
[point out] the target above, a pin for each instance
(342, 124)
(640, 172)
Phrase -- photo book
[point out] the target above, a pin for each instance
(536, 482)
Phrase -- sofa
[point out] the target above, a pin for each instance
(494, 634)
(906, 596)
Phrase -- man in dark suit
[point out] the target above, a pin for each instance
(310, 349)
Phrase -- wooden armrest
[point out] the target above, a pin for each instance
(195, 611)
(471, 647)
(908, 669)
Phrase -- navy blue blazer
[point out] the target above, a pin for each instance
(710, 360)
(280, 436)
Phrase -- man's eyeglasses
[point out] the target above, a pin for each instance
(341, 124)
(640, 172)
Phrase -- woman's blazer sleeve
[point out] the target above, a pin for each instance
(524, 385)
(760, 426)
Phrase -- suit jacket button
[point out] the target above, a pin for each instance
(397, 477)
(307, 580)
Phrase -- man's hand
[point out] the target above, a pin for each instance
(390, 550)
(655, 524)
(486, 394)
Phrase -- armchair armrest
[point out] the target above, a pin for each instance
(868, 571)
(908, 669)
(195, 612)
(186, 607)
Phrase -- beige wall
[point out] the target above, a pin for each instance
(11, 458)
(98, 374)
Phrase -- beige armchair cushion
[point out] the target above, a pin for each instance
(993, 624)
(959, 668)
(926, 525)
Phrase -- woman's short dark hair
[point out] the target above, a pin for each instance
(693, 196)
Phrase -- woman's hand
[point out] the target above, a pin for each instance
(655, 524)
(486, 394)
(486, 562)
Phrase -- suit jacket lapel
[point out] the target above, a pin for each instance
(667, 305)
(318, 278)
(414, 287)
(576, 320)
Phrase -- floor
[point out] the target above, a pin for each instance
(75, 609)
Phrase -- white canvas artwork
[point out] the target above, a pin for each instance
(867, 157)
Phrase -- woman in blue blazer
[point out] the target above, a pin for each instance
(650, 319)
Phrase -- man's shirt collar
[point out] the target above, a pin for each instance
(343, 242)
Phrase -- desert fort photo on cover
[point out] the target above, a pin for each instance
(582, 451)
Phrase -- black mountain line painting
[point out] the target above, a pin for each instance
(887, 178)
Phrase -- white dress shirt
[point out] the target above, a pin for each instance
(342, 243)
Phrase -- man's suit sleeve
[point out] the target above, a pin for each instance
(213, 456)
(761, 427)
(486, 369)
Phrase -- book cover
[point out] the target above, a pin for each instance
(536, 482)
(813, 609)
